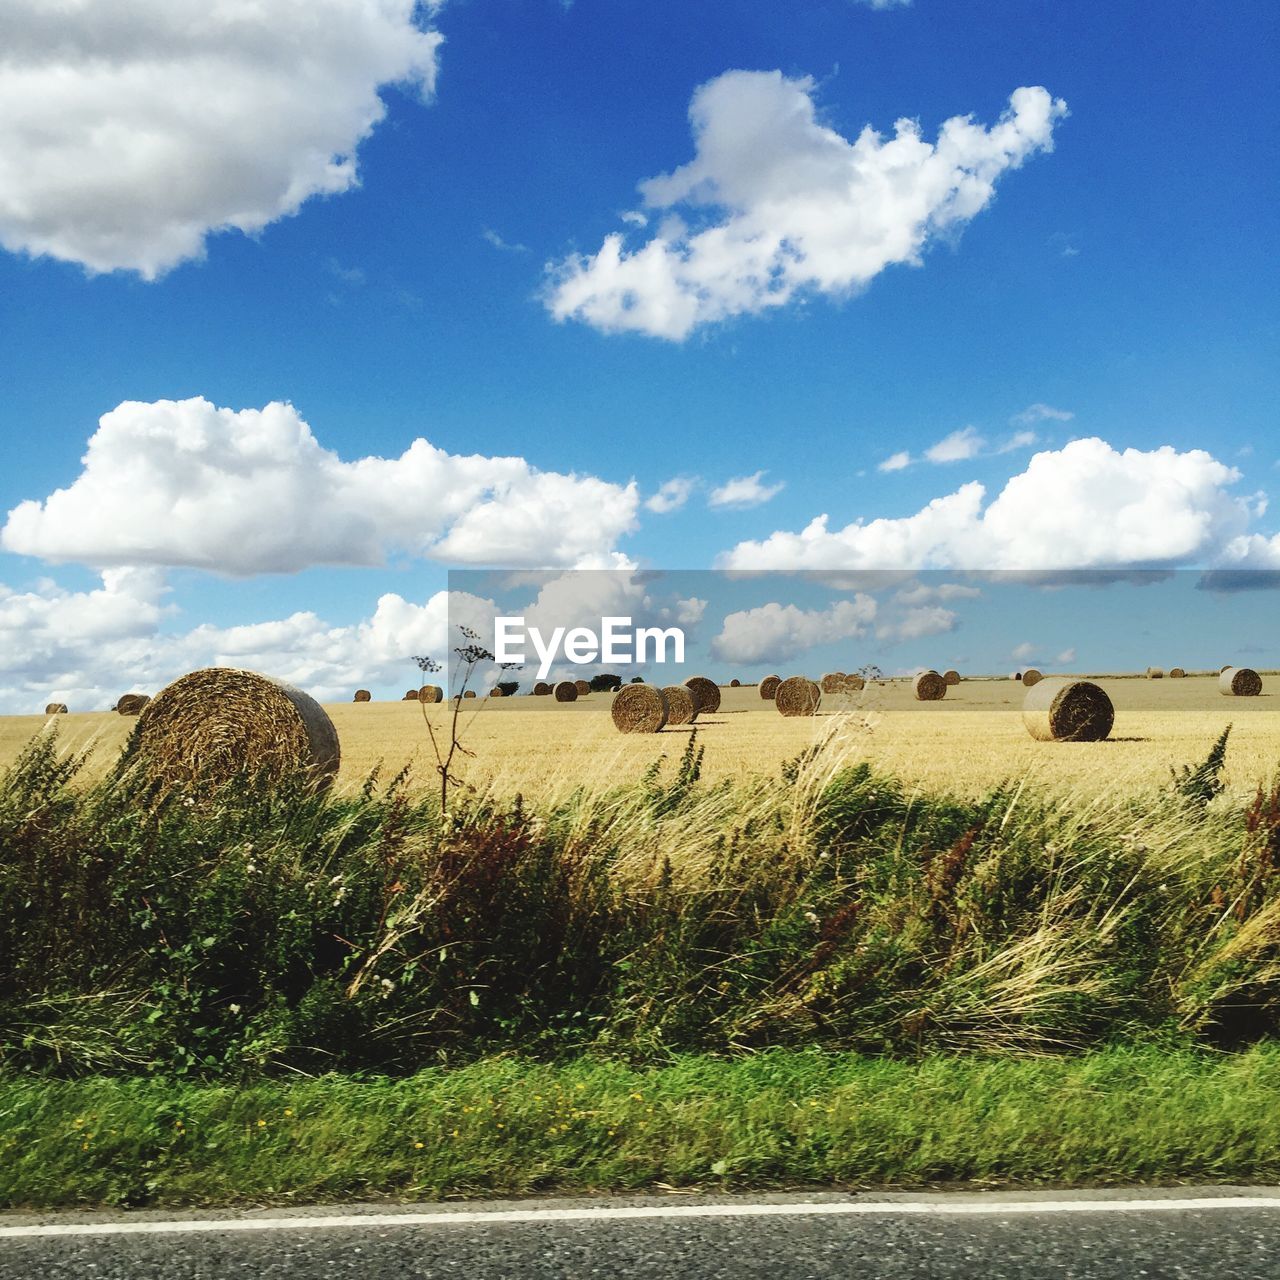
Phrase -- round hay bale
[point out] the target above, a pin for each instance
(951, 677)
(1063, 710)
(735, 684)
(1177, 673)
(431, 693)
(930, 687)
(131, 704)
(411, 695)
(798, 696)
(583, 687)
(470, 693)
(566, 691)
(55, 709)
(682, 707)
(495, 692)
(854, 684)
(541, 689)
(1240, 682)
(1155, 673)
(362, 695)
(1031, 676)
(210, 727)
(640, 708)
(1017, 675)
(706, 693)
(769, 687)
(832, 682)
(1224, 667)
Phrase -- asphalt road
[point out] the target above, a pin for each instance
(1214, 1234)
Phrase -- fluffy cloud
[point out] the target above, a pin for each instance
(785, 205)
(917, 622)
(775, 632)
(131, 129)
(959, 446)
(895, 462)
(744, 491)
(672, 495)
(1086, 505)
(183, 483)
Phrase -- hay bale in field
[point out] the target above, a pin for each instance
(583, 687)
(735, 684)
(541, 689)
(1017, 675)
(131, 704)
(362, 695)
(1155, 673)
(495, 692)
(1224, 667)
(210, 727)
(706, 693)
(469, 693)
(566, 691)
(1240, 682)
(833, 682)
(854, 684)
(1064, 710)
(769, 687)
(1031, 676)
(951, 677)
(682, 706)
(640, 708)
(798, 696)
(1177, 673)
(930, 687)
(55, 709)
(431, 693)
(410, 695)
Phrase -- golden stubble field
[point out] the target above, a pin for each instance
(965, 744)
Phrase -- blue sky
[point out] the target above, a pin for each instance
(1118, 284)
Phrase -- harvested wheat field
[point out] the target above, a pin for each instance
(964, 744)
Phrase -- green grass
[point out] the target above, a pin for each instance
(780, 1118)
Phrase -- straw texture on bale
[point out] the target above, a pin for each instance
(566, 691)
(798, 696)
(55, 709)
(1031, 676)
(854, 684)
(210, 727)
(1177, 673)
(930, 687)
(706, 693)
(431, 693)
(769, 687)
(541, 689)
(362, 695)
(682, 707)
(1240, 682)
(410, 695)
(951, 677)
(735, 684)
(833, 682)
(1155, 673)
(640, 708)
(131, 704)
(1062, 710)
(583, 687)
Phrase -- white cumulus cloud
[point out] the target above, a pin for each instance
(959, 446)
(1086, 505)
(775, 632)
(132, 129)
(775, 204)
(895, 462)
(744, 491)
(672, 495)
(185, 483)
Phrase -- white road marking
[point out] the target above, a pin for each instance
(940, 1207)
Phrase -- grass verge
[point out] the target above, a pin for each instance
(509, 1126)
